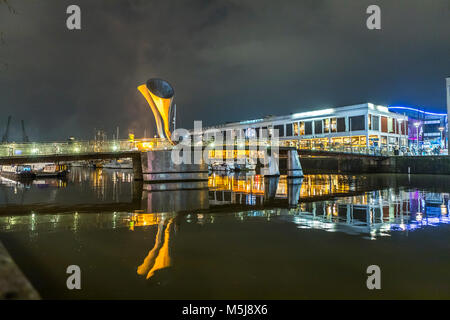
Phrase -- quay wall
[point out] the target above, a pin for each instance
(13, 284)
(398, 164)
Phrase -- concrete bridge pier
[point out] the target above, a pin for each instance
(137, 167)
(294, 187)
(294, 167)
(271, 169)
(158, 167)
(270, 187)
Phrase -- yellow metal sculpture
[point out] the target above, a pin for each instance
(159, 95)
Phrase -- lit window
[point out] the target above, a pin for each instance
(302, 128)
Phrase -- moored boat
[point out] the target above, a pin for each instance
(17, 172)
(49, 170)
(119, 164)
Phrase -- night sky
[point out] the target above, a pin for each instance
(227, 60)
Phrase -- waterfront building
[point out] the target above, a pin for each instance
(363, 125)
(447, 89)
(427, 130)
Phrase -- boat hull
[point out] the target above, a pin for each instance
(22, 176)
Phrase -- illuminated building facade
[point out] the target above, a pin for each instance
(447, 89)
(362, 125)
(426, 129)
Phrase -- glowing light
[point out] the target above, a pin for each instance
(382, 109)
(313, 113)
(250, 121)
(158, 257)
(147, 145)
(159, 95)
(418, 110)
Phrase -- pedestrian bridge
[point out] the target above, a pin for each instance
(18, 153)
(334, 159)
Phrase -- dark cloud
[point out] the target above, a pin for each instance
(228, 60)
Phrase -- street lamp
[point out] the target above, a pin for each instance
(400, 130)
(417, 124)
(441, 129)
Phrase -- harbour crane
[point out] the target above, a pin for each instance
(24, 134)
(6, 135)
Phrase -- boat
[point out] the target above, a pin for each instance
(247, 166)
(49, 170)
(119, 164)
(222, 166)
(80, 164)
(17, 172)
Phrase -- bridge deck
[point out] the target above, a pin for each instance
(18, 153)
(68, 157)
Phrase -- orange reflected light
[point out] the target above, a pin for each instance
(158, 257)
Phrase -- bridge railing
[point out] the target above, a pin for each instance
(78, 147)
(384, 151)
(373, 151)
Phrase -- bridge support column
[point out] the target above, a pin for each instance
(272, 168)
(137, 167)
(270, 187)
(294, 187)
(158, 167)
(294, 168)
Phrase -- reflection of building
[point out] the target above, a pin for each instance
(362, 125)
(250, 190)
(427, 127)
(236, 189)
(447, 89)
(375, 212)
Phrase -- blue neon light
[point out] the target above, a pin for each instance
(421, 111)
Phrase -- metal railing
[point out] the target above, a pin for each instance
(372, 151)
(79, 147)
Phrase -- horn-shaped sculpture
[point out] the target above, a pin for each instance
(159, 95)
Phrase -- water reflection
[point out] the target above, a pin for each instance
(162, 242)
(375, 213)
(255, 189)
(158, 257)
(81, 186)
(368, 204)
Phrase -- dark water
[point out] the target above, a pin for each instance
(242, 238)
